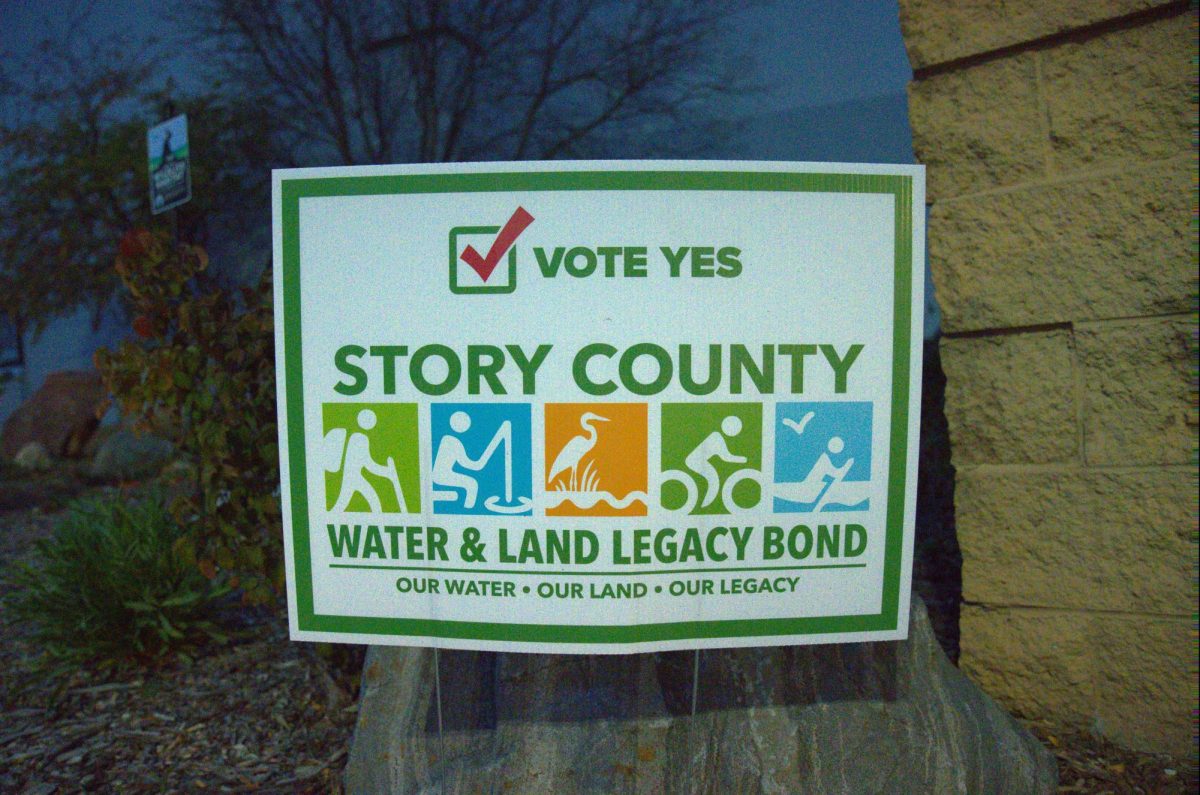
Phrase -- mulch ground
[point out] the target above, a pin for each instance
(261, 714)
(1090, 764)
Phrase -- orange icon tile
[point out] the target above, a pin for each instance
(596, 459)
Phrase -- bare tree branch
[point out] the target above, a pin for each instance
(371, 81)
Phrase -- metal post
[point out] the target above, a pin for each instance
(695, 702)
(695, 682)
(169, 113)
(437, 690)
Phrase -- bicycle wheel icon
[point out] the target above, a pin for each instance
(742, 490)
(679, 492)
(683, 496)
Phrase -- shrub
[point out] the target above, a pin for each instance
(201, 370)
(111, 584)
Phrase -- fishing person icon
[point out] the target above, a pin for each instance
(482, 458)
(369, 454)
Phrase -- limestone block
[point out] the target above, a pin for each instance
(1144, 681)
(1137, 400)
(1011, 399)
(1126, 676)
(936, 31)
(1086, 249)
(978, 128)
(1102, 540)
(1123, 96)
(1038, 663)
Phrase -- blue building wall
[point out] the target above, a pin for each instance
(67, 343)
(866, 130)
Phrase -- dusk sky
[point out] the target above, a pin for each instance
(812, 52)
(834, 72)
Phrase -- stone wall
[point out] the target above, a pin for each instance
(1059, 144)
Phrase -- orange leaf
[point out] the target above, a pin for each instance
(207, 568)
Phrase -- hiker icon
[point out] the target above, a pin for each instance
(500, 472)
(354, 472)
(823, 461)
(715, 466)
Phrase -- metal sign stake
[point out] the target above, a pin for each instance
(437, 690)
(695, 701)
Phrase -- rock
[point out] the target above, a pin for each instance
(867, 717)
(33, 457)
(61, 415)
(179, 471)
(99, 437)
(128, 455)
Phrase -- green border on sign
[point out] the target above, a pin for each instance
(899, 186)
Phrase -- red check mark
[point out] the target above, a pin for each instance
(503, 242)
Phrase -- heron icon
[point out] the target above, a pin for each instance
(572, 453)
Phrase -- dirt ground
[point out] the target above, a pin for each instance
(261, 714)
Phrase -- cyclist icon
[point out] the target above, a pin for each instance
(702, 470)
(714, 446)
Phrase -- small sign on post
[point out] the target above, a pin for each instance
(170, 170)
(604, 407)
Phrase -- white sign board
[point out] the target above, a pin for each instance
(170, 169)
(599, 407)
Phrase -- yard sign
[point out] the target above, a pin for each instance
(599, 407)
(168, 160)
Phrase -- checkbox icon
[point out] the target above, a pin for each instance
(466, 280)
(472, 272)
